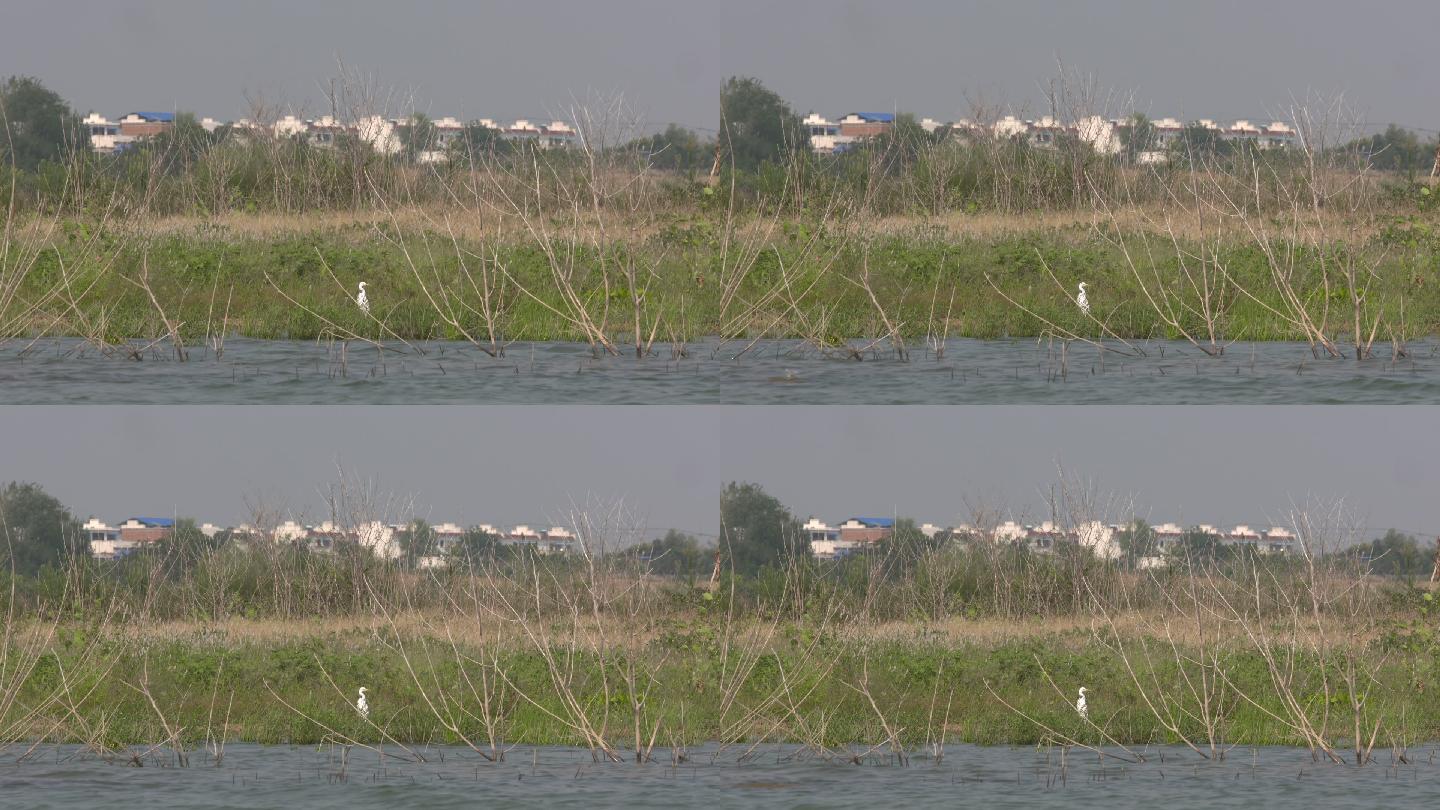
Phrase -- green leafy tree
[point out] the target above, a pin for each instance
(676, 554)
(1200, 142)
(1137, 541)
(1137, 136)
(1199, 546)
(417, 135)
(477, 141)
(909, 548)
(185, 547)
(756, 125)
(907, 539)
(38, 124)
(676, 149)
(1398, 555)
(904, 144)
(756, 530)
(417, 540)
(475, 546)
(36, 530)
(182, 145)
(1397, 149)
(188, 537)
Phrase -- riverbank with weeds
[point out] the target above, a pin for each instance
(886, 654)
(654, 288)
(829, 688)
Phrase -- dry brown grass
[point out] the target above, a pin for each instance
(985, 632)
(469, 225)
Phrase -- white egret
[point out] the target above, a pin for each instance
(362, 300)
(1081, 707)
(1082, 301)
(362, 705)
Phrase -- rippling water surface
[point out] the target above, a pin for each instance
(773, 776)
(768, 372)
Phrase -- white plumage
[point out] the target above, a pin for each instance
(1082, 301)
(1081, 707)
(362, 705)
(362, 300)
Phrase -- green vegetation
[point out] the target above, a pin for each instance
(757, 127)
(36, 125)
(300, 285)
(759, 531)
(39, 530)
(1399, 150)
(626, 241)
(195, 673)
(922, 639)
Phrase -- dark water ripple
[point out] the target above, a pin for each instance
(252, 776)
(771, 372)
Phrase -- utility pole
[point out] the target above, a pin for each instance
(723, 135)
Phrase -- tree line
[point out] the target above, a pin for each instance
(760, 145)
(757, 533)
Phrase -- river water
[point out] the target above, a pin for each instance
(768, 372)
(773, 776)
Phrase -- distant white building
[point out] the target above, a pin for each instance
(290, 127)
(1243, 535)
(104, 540)
(823, 133)
(1279, 540)
(1009, 531)
(1277, 135)
(558, 134)
(380, 539)
(290, 532)
(1009, 127)
(105, 137)
(1100, 133)
(380, 133)
(1099, 538)
(558, 540)
(447, 536)
(555, 540)
(825, 542)
(325, 131)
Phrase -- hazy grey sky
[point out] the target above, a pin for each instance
(512, 464)
(1213, 58)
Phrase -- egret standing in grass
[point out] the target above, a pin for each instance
(1081, 707)
(363, 301)
(1080, 300)
(362, 705)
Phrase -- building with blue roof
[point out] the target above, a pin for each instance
(875, 522)
(867, 529)
(155, 523)
(856, 126)
(146, 124)
(140, 530)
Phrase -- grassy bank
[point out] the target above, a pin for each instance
(296, 682)
(898, 650)
(687, 275)
(904, 240)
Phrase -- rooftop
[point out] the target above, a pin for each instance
(159, 523)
